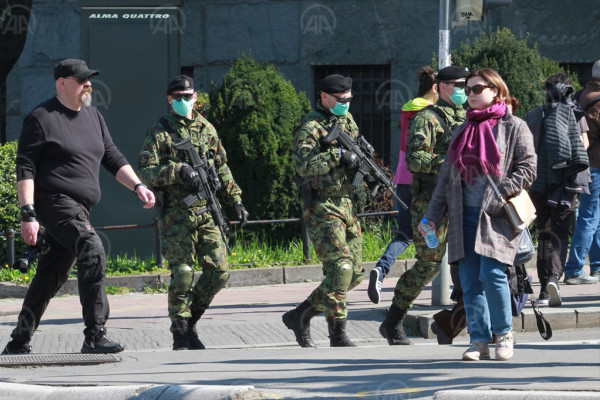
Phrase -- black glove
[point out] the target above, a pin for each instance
(189, 177)
(241, 213)
(349, 159)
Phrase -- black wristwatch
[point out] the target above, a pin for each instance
(136, 186)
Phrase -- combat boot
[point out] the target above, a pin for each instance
(298, 320)
(192, 333)
(337, 334)
(180, 337)
(391, 328)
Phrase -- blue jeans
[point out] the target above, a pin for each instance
(485, 286)
(404, 235)
(586, 238)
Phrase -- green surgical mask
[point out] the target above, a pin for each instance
(458, 97)
(340, 109)
(183, 107)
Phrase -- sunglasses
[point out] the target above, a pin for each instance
(342, 99)
(185, 96)
(460, 85)
(477, 89)
(81, 81)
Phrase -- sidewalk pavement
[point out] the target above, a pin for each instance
(248, 315)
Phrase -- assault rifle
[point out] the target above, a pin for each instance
(367, 167)
(209, 184)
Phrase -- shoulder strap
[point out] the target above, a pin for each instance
(172, 132)
(496, 188)
(591, 103)
(440, 119)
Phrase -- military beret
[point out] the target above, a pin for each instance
(335, 84)
(181, 82)
(73, 67)
(452, 72)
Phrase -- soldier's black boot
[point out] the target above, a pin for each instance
(298, 320)
(192, 333)
(391, 328)
(180, 336)
(337, 334)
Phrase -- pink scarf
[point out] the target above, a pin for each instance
(474, 151)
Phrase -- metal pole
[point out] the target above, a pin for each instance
(305, 239)
(10, 247)
(440, 288)
(444, 39)
(160, 260)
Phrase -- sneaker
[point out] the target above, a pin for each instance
(477, 351)
(15, 348)
(552, 289)
(543, 299)
(375, 283)
(582, 279)
(504, 347)
(101, 344)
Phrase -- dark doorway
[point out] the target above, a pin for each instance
(369, 107)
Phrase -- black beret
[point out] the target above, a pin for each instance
(73, 67)
(452, 72)
(181, 82)
(335, 84)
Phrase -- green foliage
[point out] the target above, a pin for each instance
(255, 112)
(522, 67)
(9, 203)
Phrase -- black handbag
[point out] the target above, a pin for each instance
(526, 249)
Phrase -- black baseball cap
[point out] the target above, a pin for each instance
(335, 83)
(181, 82)
(452, 72)
(73, 67)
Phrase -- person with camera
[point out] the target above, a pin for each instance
(188, 229)
(62, 144)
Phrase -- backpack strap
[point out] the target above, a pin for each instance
(172, 132)
(440, 119)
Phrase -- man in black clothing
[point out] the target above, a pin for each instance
(62, 144)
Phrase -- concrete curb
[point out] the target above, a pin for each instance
(479, 394)
(16, 391)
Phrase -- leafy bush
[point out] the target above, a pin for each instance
(9, 203)
(522, 67)
(255, 112)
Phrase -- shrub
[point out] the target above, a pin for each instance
(522, 67)
(9, 203)
(255, 112)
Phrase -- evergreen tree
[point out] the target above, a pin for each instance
(255, 112)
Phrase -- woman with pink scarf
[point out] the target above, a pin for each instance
(480, 237)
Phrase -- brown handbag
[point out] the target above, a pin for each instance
(519, 209)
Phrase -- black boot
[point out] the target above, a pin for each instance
(180, 337)
(337, 334)
(298, 320)
(391, 328)
(192, 333)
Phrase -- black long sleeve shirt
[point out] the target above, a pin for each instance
(61, 150)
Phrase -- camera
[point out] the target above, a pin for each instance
(30, 254)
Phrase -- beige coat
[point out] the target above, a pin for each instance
(495, 235)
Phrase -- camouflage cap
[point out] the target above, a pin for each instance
(452, 72)
(335, 84)
(181, 82)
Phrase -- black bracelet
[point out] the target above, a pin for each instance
(28, 213)
(136, 186)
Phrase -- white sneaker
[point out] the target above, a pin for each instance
(477, 351)
(504, 347)
(552, 289)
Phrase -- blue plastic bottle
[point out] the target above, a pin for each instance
(430, 237)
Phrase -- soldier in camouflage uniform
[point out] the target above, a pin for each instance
(330, 212)
(186, 232)
(427, 149)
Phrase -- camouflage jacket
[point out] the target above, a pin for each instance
(159, 163)
(321, 162)
(427, 142)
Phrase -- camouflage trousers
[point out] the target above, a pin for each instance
(185, 238)
(335, 232)
(413, 281)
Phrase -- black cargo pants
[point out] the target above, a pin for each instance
(72, 239)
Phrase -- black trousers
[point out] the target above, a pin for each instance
(554, 226)
(72, 239)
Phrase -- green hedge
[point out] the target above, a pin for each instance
(9, 203)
